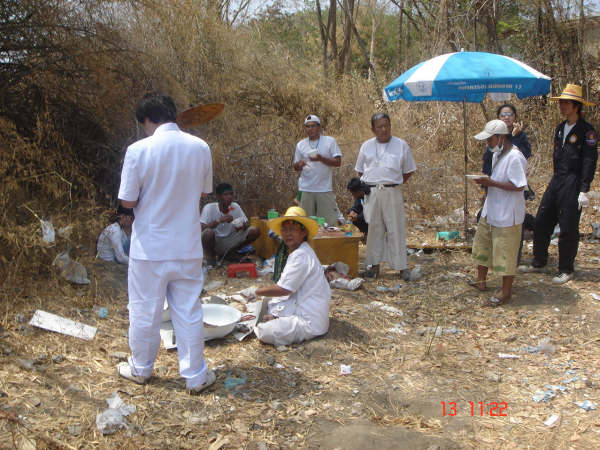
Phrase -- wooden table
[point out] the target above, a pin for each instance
(330, 246)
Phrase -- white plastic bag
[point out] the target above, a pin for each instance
(47, 231)
(70, 270)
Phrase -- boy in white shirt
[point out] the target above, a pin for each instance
(498, 236)
(225, 227)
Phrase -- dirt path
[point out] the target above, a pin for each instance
(296, 398)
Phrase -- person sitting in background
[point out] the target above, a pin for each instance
(358, 189)
(113, 243)
(225, 227)
(299, 309)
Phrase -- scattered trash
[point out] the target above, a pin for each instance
(556, 388)
(447, 235)
(550, 421)
(69, 269)
(112, 419)
(493, 376)
(382, 306)
(232, 382)
(571, 380)
(115, 402)
(281, 348)
(587, 405)
(348, 285)
(214, 284)
(415, 273)
(543, 396)
(20, 318)
(596, 229)
(397, 329)
(345, 370)
(595, 297)
(381, 288)
(101, 311)
(47, 231)
(52, 322)
(267, 267)
(65, 232)
(25, 363)
(507, 356)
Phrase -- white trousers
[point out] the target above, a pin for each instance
(180, 281)
(386, 241)
(284, 331)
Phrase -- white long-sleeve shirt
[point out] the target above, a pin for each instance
(111, 244)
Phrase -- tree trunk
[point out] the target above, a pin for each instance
(332, 28)
(372, 44)
(343, 62)
(441, 29)
(323, 39)
(400, 41)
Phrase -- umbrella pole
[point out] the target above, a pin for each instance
(465, 206)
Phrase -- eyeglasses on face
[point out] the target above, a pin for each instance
(506, 114)
(311, 125)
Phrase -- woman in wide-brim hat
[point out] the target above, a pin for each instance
(299, 309)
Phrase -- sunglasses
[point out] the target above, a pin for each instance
(506, 114)
(312, 125)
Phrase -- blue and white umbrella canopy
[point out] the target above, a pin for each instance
(467, 76)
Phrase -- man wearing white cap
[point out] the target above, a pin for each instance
(575, 158)
(385, 163)
(498, 236)
(314, 158)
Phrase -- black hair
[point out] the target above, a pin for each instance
(506, 105)
(355, 184)
(122, 210)
(159, 108)
(378, 116)
(222, 188)
(578, 106)
(301, 225)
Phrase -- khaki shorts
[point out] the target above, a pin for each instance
(225, 244)
(320, 204)
(497, 247)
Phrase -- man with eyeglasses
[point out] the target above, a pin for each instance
(314, 158)
(385, 163)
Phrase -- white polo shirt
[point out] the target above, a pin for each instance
(385, 163)
(166, 173)
(504, 208)
(316, 176)
(303, 275)
(211, 212)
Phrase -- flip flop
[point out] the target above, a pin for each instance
(477, 285)
(495, 301)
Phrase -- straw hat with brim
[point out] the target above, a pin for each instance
(296, 214)
(199, 114)
(573, 92)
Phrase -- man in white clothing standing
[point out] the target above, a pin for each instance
(385, 163)
(314, 158)
(498, 236)
(163, 177)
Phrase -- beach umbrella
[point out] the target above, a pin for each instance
(467, 77)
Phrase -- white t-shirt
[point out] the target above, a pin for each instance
(567, 130)
(111, 244)
(504, 208)
(385, 163)
(303, 275)
(316, 176)
(166, 173)
(211, 212)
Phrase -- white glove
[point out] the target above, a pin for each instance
(583, 200)
(249, 293)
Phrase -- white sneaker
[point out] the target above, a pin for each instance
(124, 369)
(210, 380)
(562, 278)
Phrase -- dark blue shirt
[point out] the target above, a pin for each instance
(521, 141)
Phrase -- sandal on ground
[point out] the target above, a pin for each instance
(370, 273)
(477, 285)
(495, 301)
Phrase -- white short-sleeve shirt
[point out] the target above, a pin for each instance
(504, 208)
(166, 173)
(111, 243)
(385, 163)
(211, 212)
(303, 275)
(316, 176)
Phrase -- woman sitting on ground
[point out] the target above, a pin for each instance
(113, 243)
(299, 309)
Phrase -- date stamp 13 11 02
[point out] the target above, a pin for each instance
(482, 409)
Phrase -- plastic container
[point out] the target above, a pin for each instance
(272, 214)
(348, 227)
(321, 221)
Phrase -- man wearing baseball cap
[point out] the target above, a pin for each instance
(498, 236)
(575, 158)
(314, 158)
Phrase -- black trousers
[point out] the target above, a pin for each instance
(559, 205)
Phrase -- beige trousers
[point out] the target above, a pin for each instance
(320, 204)
(386, 241)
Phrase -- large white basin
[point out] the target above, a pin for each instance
(219, 320)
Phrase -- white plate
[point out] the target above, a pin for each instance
(476, 176)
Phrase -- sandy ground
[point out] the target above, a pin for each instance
(53, 386)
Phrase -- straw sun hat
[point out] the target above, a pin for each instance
(572, 92)
(296, 214)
